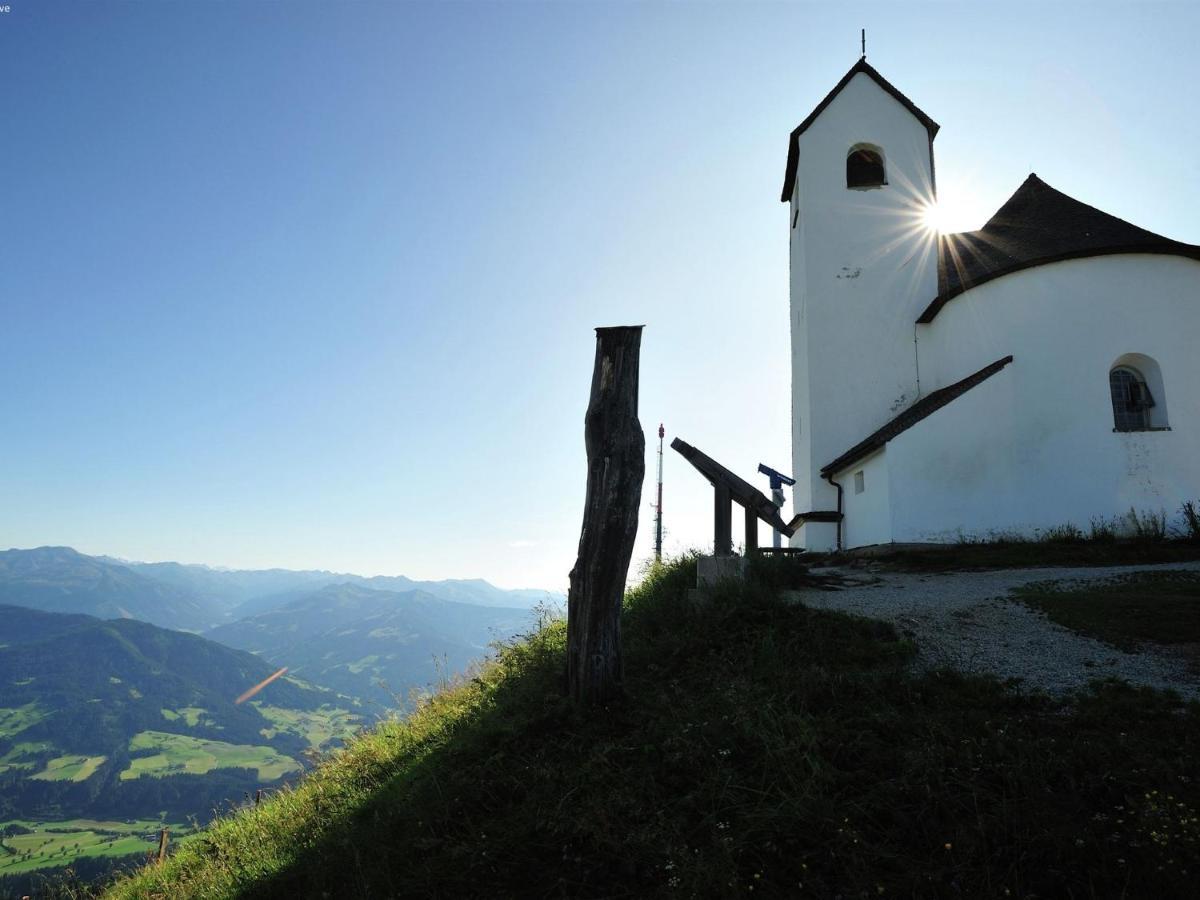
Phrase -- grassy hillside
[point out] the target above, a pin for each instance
(765, 748)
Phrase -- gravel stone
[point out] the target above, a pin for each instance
(967, 621)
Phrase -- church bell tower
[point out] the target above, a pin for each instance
(859, 184)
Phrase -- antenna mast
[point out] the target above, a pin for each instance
(864, 43)
(658, 506)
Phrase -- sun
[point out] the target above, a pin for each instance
(935, 218)
(957, 209)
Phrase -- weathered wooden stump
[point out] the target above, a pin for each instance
(616, 454)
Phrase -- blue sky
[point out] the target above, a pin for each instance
(313, 284)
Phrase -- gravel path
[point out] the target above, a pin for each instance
(965, 620)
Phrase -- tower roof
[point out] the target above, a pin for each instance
(793, 158)
(1037, 225)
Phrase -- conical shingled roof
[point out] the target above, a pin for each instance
(1037, 225)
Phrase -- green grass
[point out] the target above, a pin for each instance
(367, 662)
(54, 844)
(22, 755)
(14, 720)
(1128, 611)
(70, 768)
(178, 754)
(764, 748)
(320, 728)
(1015, 552)
(190, 714)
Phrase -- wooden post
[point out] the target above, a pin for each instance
(751, 532)
(616, 455)
(163, 837)
(722, 521)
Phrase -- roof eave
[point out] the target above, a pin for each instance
(1170, 249)
(881, 437)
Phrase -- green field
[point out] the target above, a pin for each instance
(18, 757)
(16, 720)
(70, 768)
(364, 663)
(179, 755)
(51, 844)
(319, 728)
(190, 714)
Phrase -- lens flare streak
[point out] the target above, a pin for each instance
(258, 687)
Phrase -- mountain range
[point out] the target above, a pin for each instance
(241, 592)
(60, 580)
(372, 644)
(194, 597)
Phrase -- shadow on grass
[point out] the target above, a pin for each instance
(765, 748)
(1129, 611)
(1020, 554)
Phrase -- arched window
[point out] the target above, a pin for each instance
(864, 167)
(1136, 386)
(1131, 399)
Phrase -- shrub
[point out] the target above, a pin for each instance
(1007, 537)
(1069, 533)
(1191, 520)
(1104, 529)
(1149, 526)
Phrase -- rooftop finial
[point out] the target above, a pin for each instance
(864, 44)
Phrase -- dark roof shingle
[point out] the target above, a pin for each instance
(923, 408)
(1037, 225)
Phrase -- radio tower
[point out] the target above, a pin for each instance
(658, 506)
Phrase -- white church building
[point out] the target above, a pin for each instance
(1042, 370)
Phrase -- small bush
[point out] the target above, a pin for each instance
(1069, 533)
(1104, 530)
(1148, 527)
(1191, 520)
(1008, 538)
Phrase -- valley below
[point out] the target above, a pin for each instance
(112, 727)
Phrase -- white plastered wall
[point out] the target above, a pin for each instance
(868, 517)
(1033, 447)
